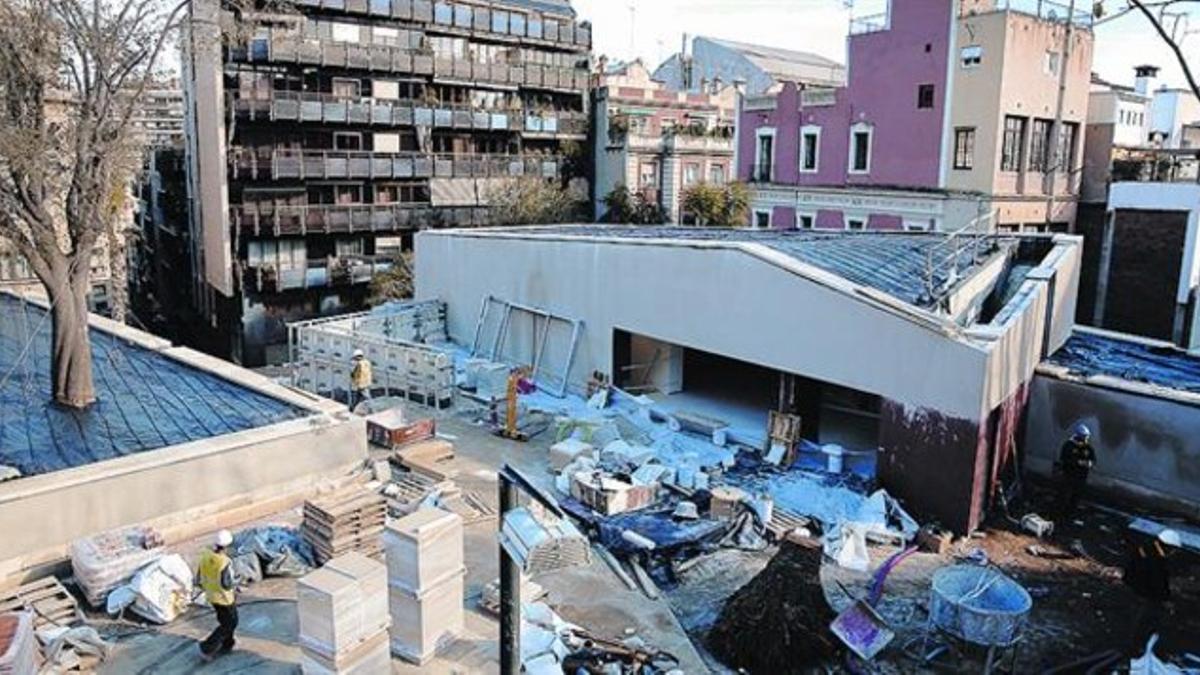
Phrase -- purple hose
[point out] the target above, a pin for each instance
(882, 573)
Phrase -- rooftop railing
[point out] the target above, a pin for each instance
(332, 271)
(1050, 10)
(961, 248)
(871, 23)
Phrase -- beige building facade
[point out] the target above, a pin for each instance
(1002, 145)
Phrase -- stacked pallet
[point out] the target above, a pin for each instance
(344, 620)
(18, 646)
(346, 521)
(51, 604)
(105, 561)
(425, 582)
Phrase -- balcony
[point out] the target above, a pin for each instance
(333, 271)
(576, 37)
(365, 165)
(271, 220)
(818, 98)
(289, 47)
(701, 144)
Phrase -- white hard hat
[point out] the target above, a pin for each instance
(358, 354)
(1170, 538)
(224, 539)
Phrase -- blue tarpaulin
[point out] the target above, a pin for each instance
(146, 400)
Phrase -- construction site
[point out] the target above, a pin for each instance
(781, 452)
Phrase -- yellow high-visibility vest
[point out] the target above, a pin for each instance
(212, 564)
(360, 377)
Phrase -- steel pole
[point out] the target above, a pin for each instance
(510, 590)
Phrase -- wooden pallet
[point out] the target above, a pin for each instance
(51, 603)
(784, 521)
(471, 507)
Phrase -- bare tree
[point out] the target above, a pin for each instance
(1172, 36)
(72, 75)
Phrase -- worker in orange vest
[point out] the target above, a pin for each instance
(215, 576)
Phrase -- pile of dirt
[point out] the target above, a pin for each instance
(779, 622)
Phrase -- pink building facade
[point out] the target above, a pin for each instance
(895, 148)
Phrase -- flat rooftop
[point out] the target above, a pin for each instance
(147, 400)
(891, 262)
(1089, 353)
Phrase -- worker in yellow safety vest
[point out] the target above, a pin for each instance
(360, 379)
(215, 577)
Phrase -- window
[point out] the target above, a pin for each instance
(347, 194)
(535, 26)
(1012, 153)
(764, 158)
(1069, 146)
(762, 219)
(1053, 61)
(856, 224)
(499, 21)
(810, 148)
(1039, 150)
(346, 88)
(925, 96)
(348, 246)
(805, 221)
(964, 148)
(716, 174)
(648, 175)
(691, 174)
(860, 148)
(971, 56)
(347, 140)
(516, 24)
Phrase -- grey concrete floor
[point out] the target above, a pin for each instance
(590, 596)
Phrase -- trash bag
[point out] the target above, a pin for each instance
(247, 569)
(81, 640)
(281, 550)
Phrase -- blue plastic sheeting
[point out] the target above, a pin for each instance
(657, 525)
(1089, 354)
(146, 400)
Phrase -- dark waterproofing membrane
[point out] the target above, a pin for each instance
(1088, 354)
(146, 400)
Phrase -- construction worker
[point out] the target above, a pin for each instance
(1075, 462)
(215, 576)
(360, 379)
(1148, 574)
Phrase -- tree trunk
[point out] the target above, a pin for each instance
(71, 351)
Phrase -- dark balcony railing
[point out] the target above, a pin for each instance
(576, 37)
(281, 220)
(289, 47)
(332, 271)
(327, 164)
(328, 108)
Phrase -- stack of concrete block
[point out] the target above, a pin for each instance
(18, 646)
(344, 618)
(107, 560)
(349, 520)
(425, 582)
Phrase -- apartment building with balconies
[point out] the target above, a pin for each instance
(947, 120)
(657, 140)
(323, 135)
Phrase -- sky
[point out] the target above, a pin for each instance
(820, 26)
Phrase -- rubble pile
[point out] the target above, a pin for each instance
(779, 622)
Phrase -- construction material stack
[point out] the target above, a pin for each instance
(18, 646)
(425, 582)
(346, 521)
(344, 619)
(107, 560)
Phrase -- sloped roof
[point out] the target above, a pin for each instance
(784, 64)
(891, 262)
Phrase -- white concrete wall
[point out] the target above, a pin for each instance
(715, 297)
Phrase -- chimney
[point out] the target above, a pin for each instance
(1146, 75)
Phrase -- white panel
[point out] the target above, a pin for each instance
(345, 32)
(387, 143)
(385, 89)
